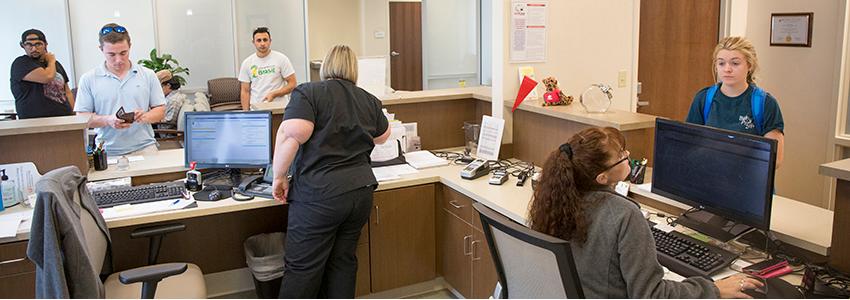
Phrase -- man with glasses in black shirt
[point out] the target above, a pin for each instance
(39, 82)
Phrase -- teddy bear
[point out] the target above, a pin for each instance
(553, 95)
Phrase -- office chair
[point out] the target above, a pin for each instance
(71, 247)
(224, 94)
(530, 264)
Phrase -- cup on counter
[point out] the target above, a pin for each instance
(100, 163)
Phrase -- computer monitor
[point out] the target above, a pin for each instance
(232, 139)
(726, 173)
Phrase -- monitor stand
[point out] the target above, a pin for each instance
(223, 178)
(712, 225)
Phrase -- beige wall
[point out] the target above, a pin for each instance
(376, 18)
(333, 22)
(805, 82)
(589, 41)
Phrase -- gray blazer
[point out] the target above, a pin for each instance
(57, 244)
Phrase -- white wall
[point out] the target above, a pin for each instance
(286, 22)
(88, 16)
(198, 34)
(589, 41)
(805, 82)
(51, 19)
(333, 22)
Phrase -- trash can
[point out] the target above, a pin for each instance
(264, 256)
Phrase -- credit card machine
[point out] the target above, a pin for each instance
(499, 177)
(475, 169)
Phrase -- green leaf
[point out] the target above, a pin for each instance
(153, 55)
(166, 57)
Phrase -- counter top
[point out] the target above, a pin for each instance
(42, 125)
(839, 169)
(164, 161)
(622, 120)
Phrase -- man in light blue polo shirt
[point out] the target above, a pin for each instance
(119, 83)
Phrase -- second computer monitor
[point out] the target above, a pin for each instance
(727, 173)
(228, 139)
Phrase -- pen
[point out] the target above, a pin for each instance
(175, 202)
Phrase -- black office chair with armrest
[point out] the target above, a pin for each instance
(530, 264)
(70, 245)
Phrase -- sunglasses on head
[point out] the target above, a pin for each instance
(107, 29)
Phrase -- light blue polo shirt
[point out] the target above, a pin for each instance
(103, 93)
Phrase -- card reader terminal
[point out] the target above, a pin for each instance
(499, 177)
(475, 169)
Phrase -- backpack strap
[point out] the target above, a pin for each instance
(709, 98)
(757, 104)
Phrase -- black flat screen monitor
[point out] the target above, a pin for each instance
(727, 173)
(228, 139)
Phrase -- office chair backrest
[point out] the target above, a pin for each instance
(95, 240)
(224, 93)
(530, 264)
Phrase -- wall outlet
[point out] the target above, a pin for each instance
(621, 78)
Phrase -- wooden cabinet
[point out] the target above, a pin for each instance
(465, 260)
(402, 248)
(17, 273)
(363, 285)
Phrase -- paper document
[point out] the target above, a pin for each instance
(490, 139)
(129, 210)
(10, 222)
(393, 172)
(131, 158)
(424, 159)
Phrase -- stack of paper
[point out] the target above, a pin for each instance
(424, 159)
(10, 222)
(128, 210)
(392, 172)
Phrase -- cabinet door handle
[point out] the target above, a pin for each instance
(454, 204)
(475, 242)
(466, 250)
(11, 261)
(377, 215)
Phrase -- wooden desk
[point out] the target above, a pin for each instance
(50, 143)
(840, 258)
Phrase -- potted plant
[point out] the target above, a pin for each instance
(164, 61)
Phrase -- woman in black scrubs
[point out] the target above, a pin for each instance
(330, 127)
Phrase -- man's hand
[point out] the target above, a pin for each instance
(269, 97)
(49, 57)
(117, 123)
(141, 116)
(280, 189)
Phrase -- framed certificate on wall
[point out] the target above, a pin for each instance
(791, 29)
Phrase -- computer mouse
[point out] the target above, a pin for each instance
(775, 288)
(214, 195)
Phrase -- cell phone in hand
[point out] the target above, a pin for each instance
(127, 117)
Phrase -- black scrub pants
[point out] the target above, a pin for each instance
(321, 243)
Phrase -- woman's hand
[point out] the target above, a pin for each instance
(280, 189)
(733, 286)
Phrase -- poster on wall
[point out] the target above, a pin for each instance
(528, 30)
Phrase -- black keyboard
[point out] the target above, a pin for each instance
(688, 256)
(139, 194)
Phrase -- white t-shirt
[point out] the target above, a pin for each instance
(266, 74)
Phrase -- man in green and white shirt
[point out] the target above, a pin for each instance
(266, 75)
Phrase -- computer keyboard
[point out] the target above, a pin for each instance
(139, 194)
(689, 257)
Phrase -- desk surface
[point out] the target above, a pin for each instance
(623, 120)
(839, 169)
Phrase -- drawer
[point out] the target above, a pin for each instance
(21, 286)
(457, 204)
(13, 259)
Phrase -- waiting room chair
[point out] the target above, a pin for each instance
(224, 94)
(530, 264)
(72, 224)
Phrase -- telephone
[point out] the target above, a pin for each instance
(256, 185)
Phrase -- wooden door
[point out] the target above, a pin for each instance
(677, 39)
(406, 46)
(484, 274)
(455, 253)
(401, 237)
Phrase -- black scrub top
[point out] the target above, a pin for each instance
(335, 159)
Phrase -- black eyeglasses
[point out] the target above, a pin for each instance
(625, 158)
(107, 29)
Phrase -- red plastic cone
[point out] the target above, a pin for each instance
(525, 88)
